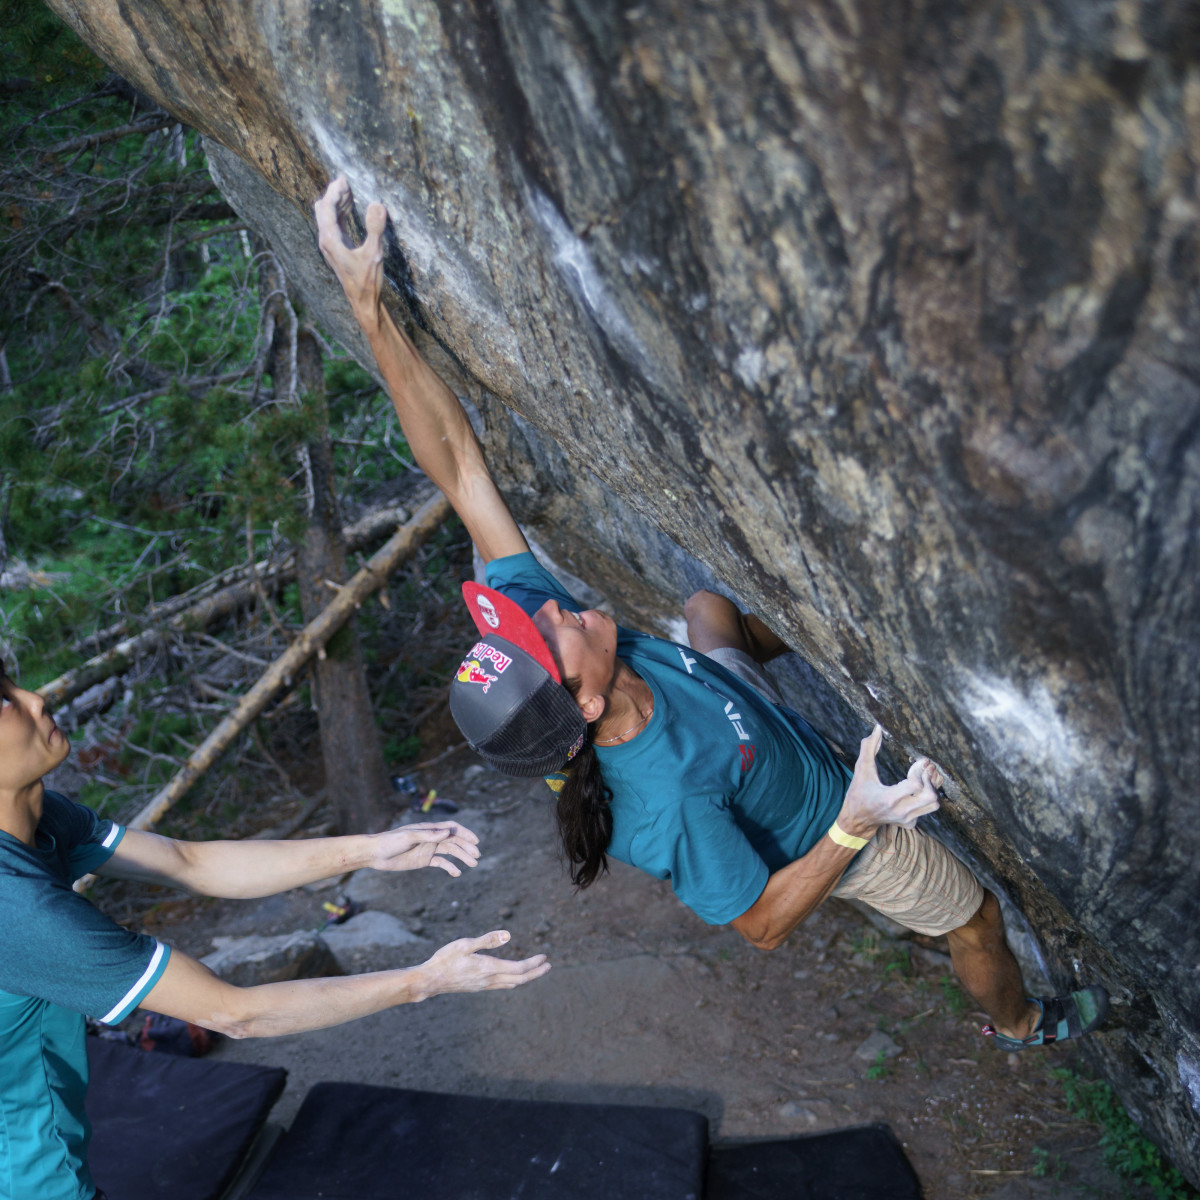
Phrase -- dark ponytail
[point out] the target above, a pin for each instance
(584, 817)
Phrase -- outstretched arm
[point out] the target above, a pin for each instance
(434, 423)
(797, 890)
(244, 869)
(189, 991)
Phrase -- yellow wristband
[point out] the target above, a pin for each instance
(843, 838)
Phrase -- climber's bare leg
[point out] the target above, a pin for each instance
(988, 971)
(714, 621)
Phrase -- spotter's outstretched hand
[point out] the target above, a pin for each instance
(358, 269)
(463, 967)
(869, 803)
(430, 844)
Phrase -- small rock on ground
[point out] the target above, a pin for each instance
(793, 1110)
(878, 1043)
(368, 941)
(247, 961)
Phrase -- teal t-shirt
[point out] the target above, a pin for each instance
(721, 788)
(60, 958)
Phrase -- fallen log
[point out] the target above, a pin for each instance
(310, 641)
(367, 529)
(196, 610)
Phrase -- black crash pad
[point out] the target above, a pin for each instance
(168, 1126)
(864, 1163)
(355, 1142)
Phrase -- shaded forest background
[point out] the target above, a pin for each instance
(171, 423)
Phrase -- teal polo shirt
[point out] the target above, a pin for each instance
(721, 788)
(60, 958)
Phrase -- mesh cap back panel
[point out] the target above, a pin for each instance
(538, 736)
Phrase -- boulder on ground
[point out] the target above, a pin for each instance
(246, 961)
(371, 941)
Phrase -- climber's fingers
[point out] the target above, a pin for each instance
(332, 211)
(359, 270)
(376, 222)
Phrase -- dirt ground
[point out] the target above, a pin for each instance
(645, 1004)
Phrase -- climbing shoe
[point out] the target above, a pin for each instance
(1063, 1017)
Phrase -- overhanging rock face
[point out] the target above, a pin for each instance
(886, 313)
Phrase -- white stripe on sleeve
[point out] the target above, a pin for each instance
(148, 973)
(114, 832)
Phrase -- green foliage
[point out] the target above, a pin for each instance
(1126, 1151)
(95, 795)
(880, 1068)
(289, 606)
(161, 733)
(96, 563)
(1045, 1163)
(397, 751)
(955, 998)
(152, 745)
(104, 293)
(885, 953)
(143, 449)
(344, 377)
(138, 439)
(37, 46)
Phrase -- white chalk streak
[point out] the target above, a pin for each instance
(579, 273)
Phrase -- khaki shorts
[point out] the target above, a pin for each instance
(903, 873)
(912, 878)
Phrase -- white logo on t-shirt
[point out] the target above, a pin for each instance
(735, 719)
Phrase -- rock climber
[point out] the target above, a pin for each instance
(682, 761)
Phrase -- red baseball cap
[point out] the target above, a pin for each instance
(495, 615)
(507, 696)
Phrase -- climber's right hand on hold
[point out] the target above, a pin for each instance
(870, 804)
(358, 269)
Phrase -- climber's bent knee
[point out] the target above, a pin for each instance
(713, 621)
(985, 928)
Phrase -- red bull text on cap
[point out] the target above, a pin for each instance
(507, 695)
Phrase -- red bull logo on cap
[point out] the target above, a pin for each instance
(486, 653)
(472, 671)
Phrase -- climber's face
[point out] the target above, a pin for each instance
(584, 648)
(31, 744)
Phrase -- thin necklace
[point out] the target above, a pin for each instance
(609, 741)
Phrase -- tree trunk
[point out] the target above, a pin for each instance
(355, 774)
(354, 769)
